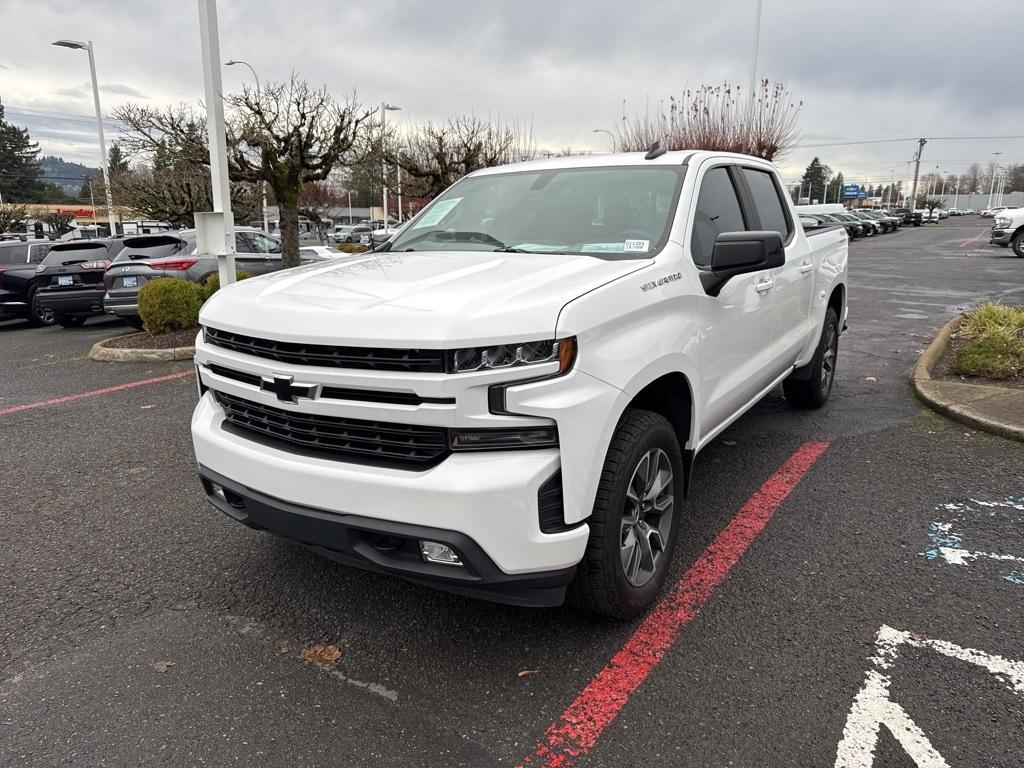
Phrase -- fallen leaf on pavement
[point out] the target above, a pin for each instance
(729, 442)
(526, 672)
(146, 407)
(323, 656)
(281, 648)
(870, 378)
(162, 666)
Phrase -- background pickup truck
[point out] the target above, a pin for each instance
(1008, 230)
(507, 398)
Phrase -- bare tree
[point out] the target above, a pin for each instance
(931, 203)
(439, 154)
(971, 180)
(719, 117)
(289, 134)
(315, 199)
(13, 217)
(58, 221)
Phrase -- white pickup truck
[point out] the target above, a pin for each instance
(507, 399)
(1008, 230)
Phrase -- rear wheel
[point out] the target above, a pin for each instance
(635, 523)
(1018, 244)
(810, 386)
(70, 321)
(37, 314)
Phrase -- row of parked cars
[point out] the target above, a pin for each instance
(66, 282)
(857, 223)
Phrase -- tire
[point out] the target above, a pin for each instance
(37, 316)
(70, 321)
(605, 583)
(1018, 244)
(810, 386)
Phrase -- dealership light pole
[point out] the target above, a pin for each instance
(992, 186)
(263, 184)
(384, 109)
(610, 134)
(757, 44)
(917, 170)
(87, 46)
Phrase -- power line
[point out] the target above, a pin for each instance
(912, 138)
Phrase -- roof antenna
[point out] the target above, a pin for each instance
(655, 151)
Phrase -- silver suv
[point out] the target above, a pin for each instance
(173, 254)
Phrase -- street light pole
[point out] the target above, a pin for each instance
(384, 109)
(992, 186)
(757, 43)
(263, 184)
(610, 134)
(917, 170)
(87, 46)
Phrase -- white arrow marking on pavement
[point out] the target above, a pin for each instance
(872, 707)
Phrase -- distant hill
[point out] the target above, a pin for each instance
(67, 176)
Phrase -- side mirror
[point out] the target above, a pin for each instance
(740, 253)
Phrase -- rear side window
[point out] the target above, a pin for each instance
(37, 251)
(718, 210)
(767, 201)
(14, 254)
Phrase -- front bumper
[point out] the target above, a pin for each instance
(489, 498)
(386, 547)
(82, 302)
(1000, 236)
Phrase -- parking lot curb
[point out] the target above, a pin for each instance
(102, 353)
(966, 402)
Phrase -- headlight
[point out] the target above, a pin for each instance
(562, 351)
(1001, 222)
(40, 268)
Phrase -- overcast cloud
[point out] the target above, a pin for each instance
(863, 71)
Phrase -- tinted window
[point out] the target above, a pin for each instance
(767, 201)
(37, 251)
(718, 210)
(77, 252)
(14, 254)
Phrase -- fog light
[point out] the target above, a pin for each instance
(218, 490)
(433, 552)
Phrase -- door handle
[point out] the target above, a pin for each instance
(806, 267)
(763, 286)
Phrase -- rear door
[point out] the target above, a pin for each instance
(794, 281)
(736, 356)
(257, 253)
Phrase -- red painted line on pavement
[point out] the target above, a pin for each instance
(965, 243)
(580, 725)
(95, 392)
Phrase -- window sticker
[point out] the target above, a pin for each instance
(603, 248)
(438, 212)
(637, 246)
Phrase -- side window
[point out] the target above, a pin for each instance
(38, 252)
(265, 244)
(243, 244)
(15, 254)
(767, 202)
(718, 210)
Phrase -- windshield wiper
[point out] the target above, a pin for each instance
(442, 236)
(510, 249)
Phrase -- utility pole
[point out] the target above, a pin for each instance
(757, 44)
(992, 186)
(917, 171)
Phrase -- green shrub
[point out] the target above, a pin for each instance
(212, 284)
(169, 304)
(996, 356)
(992, 317)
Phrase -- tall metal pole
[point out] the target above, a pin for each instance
(757, 44)
(917, 171)
(263, 184)
(992, 186)
(398, 172)
(349, 206)
(210, 42)
(103, 143)
(383, 163)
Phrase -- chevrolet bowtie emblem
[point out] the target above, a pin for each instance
(287, 390)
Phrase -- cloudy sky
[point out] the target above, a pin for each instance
(864, 71)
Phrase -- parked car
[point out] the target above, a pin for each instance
(70, 279)
(892, 223)
(19, 292)
(878, 224)
(868, 228)
(340, 232)
(854, 229)
(309, 253)
(909, 216)
(357, 233)
(512, 397)
(943, 213)
(1008, 230)
(994, 211)
(173, 254)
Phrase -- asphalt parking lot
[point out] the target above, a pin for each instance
(141, 627)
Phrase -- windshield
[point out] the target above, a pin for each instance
(621, 212)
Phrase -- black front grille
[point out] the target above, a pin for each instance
(365, 358)
(408, 446)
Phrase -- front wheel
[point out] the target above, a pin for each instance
(1018, 245)
(810, 386)
(635, 523)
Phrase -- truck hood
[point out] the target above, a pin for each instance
(431, 299)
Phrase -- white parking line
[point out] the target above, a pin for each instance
(872, 707)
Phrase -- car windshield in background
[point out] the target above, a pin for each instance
(622, 212)
(64, 255)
